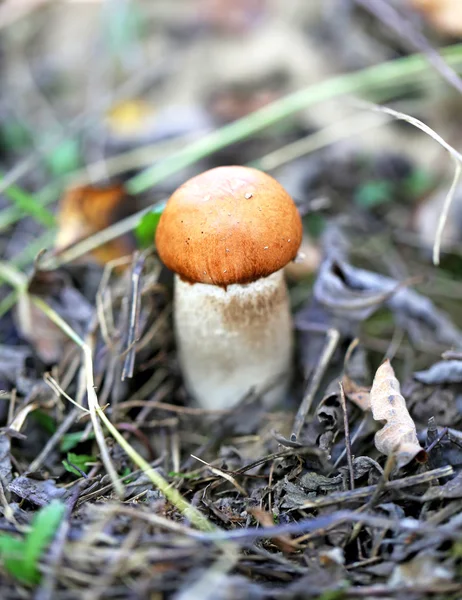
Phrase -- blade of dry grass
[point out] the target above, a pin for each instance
(454, 154)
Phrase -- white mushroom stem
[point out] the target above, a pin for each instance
(233, 340)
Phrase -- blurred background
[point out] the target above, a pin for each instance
(94, 92)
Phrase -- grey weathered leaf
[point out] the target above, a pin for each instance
(451, 489)
(5, 462)
(422, 570)
(444, 371)
(39, 492)
(316, 482)
(356, 294)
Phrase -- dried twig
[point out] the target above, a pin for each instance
(135, 297)
(347, 437)
(396, 484)
(333, 337)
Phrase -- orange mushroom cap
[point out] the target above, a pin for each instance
(229, 225)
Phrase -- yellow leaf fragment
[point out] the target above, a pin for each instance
(130, 117)
(398, 436)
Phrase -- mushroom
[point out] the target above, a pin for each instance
(227, 234)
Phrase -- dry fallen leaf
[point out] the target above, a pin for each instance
(398, 436)
(445, 15)
(283, 542)
(354, 294)
(357, 394)
(85, 210)
(422, 570)
(47, 339)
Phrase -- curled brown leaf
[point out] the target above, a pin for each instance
(398, 436)
(85, 210)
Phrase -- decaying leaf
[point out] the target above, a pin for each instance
(85, 210)
(358, 394)
(346, 296)
(283, 542)
(39, 492)
(36, 327)
(6, 473)
(314, 482)
(423, 570)
(355, 294)
(399, 435)
(442, 372)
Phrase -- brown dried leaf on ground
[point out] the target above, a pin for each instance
(357, 394)
(283, 542)
(399, 435)
(47, 338)
(86, 210)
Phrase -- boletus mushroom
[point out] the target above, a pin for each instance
(227, 234)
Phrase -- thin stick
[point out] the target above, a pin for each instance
(436, 441)
(135, 301)
(106, 322)
(321, 523)
(356, 434)
(347, 436)
(396, 484)
(58, 390)
(332, 340)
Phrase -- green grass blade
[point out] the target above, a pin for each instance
(47, 195)
(12, 551)
(359, 81)
(44, 527)
(29, 205)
